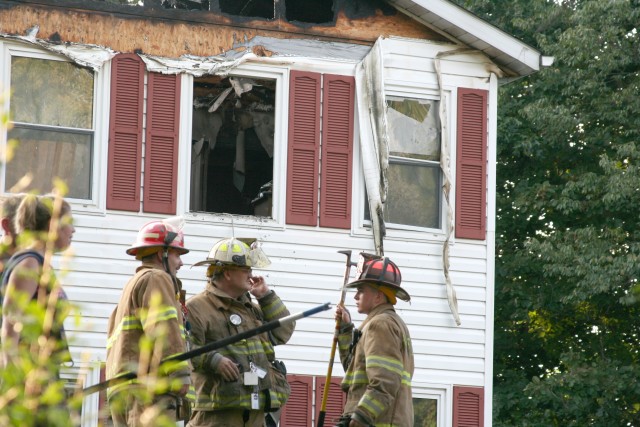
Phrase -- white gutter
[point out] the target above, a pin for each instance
(87, 55)
(374, 140)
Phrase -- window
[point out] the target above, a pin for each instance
(314, 11)
(51, 109)
(414, 176)
(233, 145)
(259, 8)
(431, 405)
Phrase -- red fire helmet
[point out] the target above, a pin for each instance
(157, 235)
(382, 272)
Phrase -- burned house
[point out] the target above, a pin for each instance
(311, 125)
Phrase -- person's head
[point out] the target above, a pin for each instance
(378, 282)
(159, 243)
(230, 263)
(35, 215)
(7, 218)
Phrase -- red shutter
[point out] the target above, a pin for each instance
(161, 154)
(303, 151)
(297, 410)
(468, 407)
(125, 133)
(335, 399)
(337, 151)
(471, 169)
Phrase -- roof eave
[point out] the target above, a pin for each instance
(516, 58)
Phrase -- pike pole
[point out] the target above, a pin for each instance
(336, 333)
(126, 376)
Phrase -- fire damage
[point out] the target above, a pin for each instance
(232, 145)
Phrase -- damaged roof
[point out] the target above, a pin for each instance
(461, 26)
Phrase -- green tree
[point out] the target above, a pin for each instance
(568, 233)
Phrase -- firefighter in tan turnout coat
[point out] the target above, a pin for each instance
(240, 384)
(148, 326)
(378, 357)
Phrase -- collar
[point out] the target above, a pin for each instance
(376, 311)
(223, 299)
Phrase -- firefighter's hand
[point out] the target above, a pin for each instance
(342, 314)
(228, 369)
(259, 287)
(354, 423)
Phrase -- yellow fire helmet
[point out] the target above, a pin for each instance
(239, 252)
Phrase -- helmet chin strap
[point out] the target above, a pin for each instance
(165, 263)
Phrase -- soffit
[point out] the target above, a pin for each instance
(461, 26)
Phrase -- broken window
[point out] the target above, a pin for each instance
(414, 175)
(232, 145)
(51, 109)
(308, 11)
(257, 8)
(313, 11)
(185, 4)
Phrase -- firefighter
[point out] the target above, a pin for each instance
(378, 357)
(241, 384)
(147, 326)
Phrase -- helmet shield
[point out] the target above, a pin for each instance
(239, 252)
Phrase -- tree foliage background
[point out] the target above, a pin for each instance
(568, 226)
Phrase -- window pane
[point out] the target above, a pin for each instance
(414, 195)
(51, 93)
(425, 412)
(47, 154)
(414, 128)
(232, 145)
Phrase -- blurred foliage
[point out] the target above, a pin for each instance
(568, 236)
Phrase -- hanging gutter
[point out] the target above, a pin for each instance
(86, 55)
(374, 140)
(266, 49)
(195, 65)
(445, 165)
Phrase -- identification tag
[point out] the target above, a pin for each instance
(261, 373)
(250, 378)
(255, 401)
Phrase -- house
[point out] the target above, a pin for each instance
(312, 125)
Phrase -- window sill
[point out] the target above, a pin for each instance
(243, 220)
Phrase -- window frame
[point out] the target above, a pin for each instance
(402, 231)
(442, 394)
(99, 130)
(277, 220)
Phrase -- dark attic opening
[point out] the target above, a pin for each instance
(312, 11)
(254, 8)
(232, 145)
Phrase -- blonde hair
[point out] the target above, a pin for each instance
(34, 213)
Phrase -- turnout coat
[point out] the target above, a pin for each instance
(214, 315)
(378, 364)
(149, 307)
